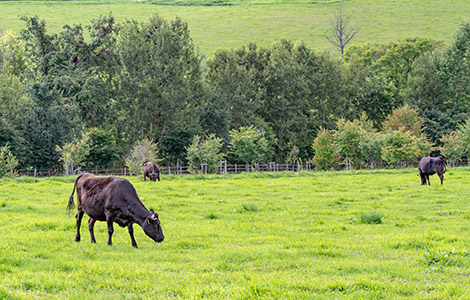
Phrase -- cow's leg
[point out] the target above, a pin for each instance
(110, 231)
(427, 178)
(91, 225)
(131, 233)
(423, 178)
(441, 176)
(79, 217)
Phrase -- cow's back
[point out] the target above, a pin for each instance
(97, 195)
(431, 165)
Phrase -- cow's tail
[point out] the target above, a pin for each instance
(70, 204)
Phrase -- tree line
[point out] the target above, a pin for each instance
(98, 92)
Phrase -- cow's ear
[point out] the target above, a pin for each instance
(148, 221)
(151, 210)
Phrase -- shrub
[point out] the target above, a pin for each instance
(73, 154)
(453, 148)
(142, 151)
(206, 151)
(400, 145)
(8, 161)
(248, 145)
(325, 150)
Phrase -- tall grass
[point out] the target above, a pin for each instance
(248, 236)
(260, 21)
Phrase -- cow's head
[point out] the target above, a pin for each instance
(154, 174)
(152, 227)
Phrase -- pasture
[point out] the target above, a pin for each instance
(325, 235)
(260, 21)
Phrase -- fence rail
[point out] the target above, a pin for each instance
(177, 170)
(224, 168)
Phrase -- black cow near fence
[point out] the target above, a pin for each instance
(151, 170)
(431, 165)
(112, 199)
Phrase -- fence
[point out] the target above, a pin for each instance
(224, 168)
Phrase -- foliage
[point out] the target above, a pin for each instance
(204, 151)
(400, 145)
(145, 150)
(303, 91)
(158, 79)
(380, 72)
(370, 147)
(173, 146)
(73, 154)
(438, 86)
(452, 147)
(348, 138)
(463, 130)
(405, 118)
(248, 145)
(105, 152)
(326, 156)
(8, 161)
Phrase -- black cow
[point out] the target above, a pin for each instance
(112, 199)
(431, 165)
(151, 170)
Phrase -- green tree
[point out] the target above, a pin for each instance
(438, 86)
(235, 79)
(248, 145)
(207, 151)
(159, 79)
(378, 74)
(303, 91)
(105, 152)
(405, 118)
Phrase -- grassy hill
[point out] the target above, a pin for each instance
(260, 21)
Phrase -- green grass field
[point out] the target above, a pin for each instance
(263, 22)
(325, 235)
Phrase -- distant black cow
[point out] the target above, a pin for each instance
(151, 170)
(112, 199)
(431, 165)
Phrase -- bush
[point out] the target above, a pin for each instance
(453, 148)
(143, 151)
(325, 150)
(206, 151)
(73, 154)
(400, 145)
(8, 161)
(248, 145)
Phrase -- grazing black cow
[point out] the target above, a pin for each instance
(431, 165)
(151, 170)
(112, 199)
